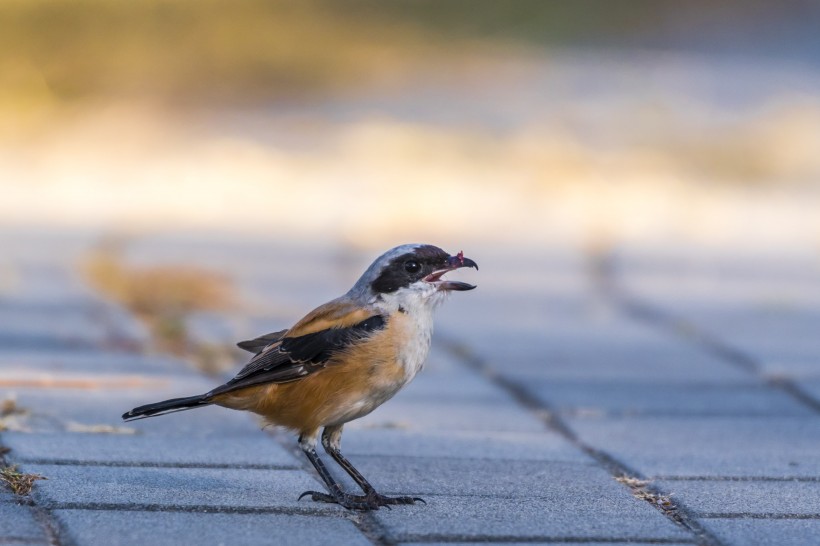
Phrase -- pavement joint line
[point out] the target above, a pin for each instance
(369, 526)
(121, 464)
(660, 413)
(736, 478)
(535, 539)
(755, 515)
(469, 459)
(791, 388)
(49, 524)
(197, 508)
(551, 420)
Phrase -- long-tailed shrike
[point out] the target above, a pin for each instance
(341, 361)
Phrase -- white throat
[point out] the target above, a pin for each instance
(413, 307)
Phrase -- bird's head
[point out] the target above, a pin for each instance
(412, 275)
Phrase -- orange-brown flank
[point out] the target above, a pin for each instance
(354, 382)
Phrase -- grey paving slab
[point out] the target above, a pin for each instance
(764, 532)
(452, 415)
(71, 486)
(292, 278)
(634, 397)
(714, 446)
(560, 516)
(434, 384)
(135, 528)
(481, 314)
(21, 363)
(486, 477)
(779, 348)
(41, 281)
(54, 409)
(65, 305)
(71, 328)
(238, 449)
(545, 446)
(17, 522)
(605, 356)
(725, 498)
(789, 365)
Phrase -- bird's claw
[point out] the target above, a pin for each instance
(371, 501)
(315, 495)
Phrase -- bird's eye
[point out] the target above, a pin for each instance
(412, 266)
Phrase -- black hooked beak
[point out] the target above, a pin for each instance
(453, 262)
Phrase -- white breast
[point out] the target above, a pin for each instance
(419, 333)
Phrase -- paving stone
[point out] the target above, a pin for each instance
(717, 446)
(214, 328)
(38, 281)
(52, 409)
(21, 363)
(421, 476)
(25, 341)
(71, 320)
(452, 415)
(789, 365)
(476, 315)
(17, 522)
(606, 356)
(71, 486)
(460, 444)
(562, 515)
(72, 329)
(135, 528)
(434, 384)
(226, 447)
(764, 532)
(270, 274)
(728, 497)
(612, 397)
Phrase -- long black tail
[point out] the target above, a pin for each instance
(168, 406)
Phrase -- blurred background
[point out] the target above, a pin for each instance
(585, 123)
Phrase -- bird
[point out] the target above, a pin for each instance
(340, 362)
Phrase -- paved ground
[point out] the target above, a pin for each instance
(641, 398)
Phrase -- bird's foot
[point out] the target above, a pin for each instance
(370, 501)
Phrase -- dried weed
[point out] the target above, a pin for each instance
(163, 297)
(18, 482)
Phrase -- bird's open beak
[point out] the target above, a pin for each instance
(453, 262)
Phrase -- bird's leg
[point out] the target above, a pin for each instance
(331, 441)
(337, 495)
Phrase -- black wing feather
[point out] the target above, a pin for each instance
(318, 347)
(256, 345)
(295, 357)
